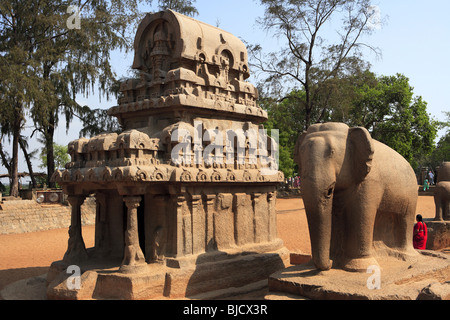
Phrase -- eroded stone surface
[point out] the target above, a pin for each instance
(424, 277)
(194, 152)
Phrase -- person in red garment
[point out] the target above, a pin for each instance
(420, 234)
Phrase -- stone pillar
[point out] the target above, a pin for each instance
(198, 225)
(271, 198)
(133, 259)
(209, 223)
(224, 222)
(244, 228)
(76, 250)
(261, 217)
(102, 237)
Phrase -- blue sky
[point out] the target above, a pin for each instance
(415, 41)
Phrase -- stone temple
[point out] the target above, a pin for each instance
(186, 193)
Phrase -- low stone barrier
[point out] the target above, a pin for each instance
(438, 234)
(22, 216)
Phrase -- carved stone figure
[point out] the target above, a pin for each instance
(191, 132)
(442, 193)
(358, 194)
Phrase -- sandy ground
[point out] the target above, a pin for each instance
(28, 255)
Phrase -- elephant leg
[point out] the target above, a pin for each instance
(405, 234)
(359, 241)
(439, 208)
(446, 209)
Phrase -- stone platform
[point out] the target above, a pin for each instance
(438, 234)
(427, 277)
(204, 276)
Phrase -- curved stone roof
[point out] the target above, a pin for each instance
(191, 39)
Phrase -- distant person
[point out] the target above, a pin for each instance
(426, 185)
(296, 182)
(420, 234)
(431, 176)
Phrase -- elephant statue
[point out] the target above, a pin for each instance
(442, 193)
(358, 194)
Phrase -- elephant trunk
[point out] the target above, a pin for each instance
(319, 223)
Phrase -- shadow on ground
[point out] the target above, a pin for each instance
(10, 276)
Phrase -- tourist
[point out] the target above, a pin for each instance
(420, 234)
(426, 185)
(431, 176)
(296, 182)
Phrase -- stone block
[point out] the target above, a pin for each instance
(393, 279)
(438, 235)
(435, 291)
(299, 258)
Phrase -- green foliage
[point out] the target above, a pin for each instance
(97, 121)
(442, 151)
(46, 60)
(45, 63)
(386, 106)
(185, 7)
(287, 117)
(60, 154)
(312, 56)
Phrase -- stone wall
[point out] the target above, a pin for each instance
(21, 216)
(438, 234)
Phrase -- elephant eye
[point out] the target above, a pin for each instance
(330, 191)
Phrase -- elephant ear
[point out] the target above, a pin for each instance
(297, 155)
(362, 151)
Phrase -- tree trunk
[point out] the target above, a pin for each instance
(49, 139)
(28, 160)
(50, 156)
(15, 156)
(5, 160)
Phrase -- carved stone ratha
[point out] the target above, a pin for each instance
(186, 192)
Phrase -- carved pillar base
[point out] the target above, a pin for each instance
(76, 250)
(133, 259)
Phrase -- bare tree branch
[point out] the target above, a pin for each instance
(306, 61)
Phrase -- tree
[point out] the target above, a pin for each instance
(308, 62)
(71, 60)
(60, 155)
(28, 156)
(97, 121)
(50, 52)
(288, 119)
(185, 7)
(442, 151)
(385, 106)
(19, 82)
